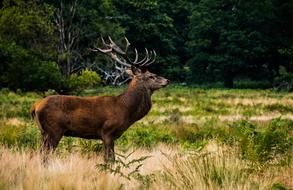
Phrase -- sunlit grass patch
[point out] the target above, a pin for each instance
(16, 105)
(218, 167)
(24, 170)
(208, 171)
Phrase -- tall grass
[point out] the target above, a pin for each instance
(24, 170)
(218, 167)
(221, 170)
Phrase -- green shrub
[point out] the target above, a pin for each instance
(284, 81)
(15, 105)
(29, 137)
(280, 108)
(22, 136)
(193, 136)
(85, 80)
(33, 75)
(146, 136)
(272, 145)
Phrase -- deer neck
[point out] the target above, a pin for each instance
(137, 100)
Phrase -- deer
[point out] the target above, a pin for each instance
(100, 117)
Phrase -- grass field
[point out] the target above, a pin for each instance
(193, 138)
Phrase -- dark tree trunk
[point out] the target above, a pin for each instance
(229, 80)
(63, 67)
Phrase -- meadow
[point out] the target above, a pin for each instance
(193, 138)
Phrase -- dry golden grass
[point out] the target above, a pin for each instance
(215, 167)
(24, 170)
(257, 101)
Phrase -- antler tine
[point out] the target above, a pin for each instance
(127, 44)
(126, 54)
(144, 59)
(154, 58)
(115, 47)
(121, 57)
(104, 43)
(114, 56)
(147, 58)
(103, 50)
(112, 43)
(136, 56)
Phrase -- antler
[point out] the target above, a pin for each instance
(116, 52)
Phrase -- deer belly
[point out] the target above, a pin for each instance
(83, 127)
(86, 135)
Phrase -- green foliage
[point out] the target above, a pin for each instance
(226, 38)
(280, 108)
(279, 186)
(21, 136)
(284, 81)
(145, 136)
(272, 145)
(193, 137)
(198, 42)
(27, 45)
(157, 19)
(86, 79)
(122, 163)
(14, 105)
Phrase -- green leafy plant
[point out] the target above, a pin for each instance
(128, 168)
(269, 146)
(284, 81)
(85, 80)
(21, 136)
(146, 136)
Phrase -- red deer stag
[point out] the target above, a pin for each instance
(100, 117)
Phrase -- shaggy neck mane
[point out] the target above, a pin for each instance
(137, 100)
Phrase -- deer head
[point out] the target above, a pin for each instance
(136, 69)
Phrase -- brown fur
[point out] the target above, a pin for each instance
(99, 117)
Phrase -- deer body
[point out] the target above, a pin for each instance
(100, 117)
(92, 117)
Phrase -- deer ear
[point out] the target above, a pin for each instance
(129, 72)
(133, 71)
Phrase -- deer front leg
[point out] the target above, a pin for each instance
(109, 154)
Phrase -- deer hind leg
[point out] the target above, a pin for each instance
(49, 144)
(51, 131)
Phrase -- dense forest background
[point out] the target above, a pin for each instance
(43, 43)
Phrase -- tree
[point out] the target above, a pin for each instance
(27, 45)
(228, 38)
(148, 25)
(79, 24)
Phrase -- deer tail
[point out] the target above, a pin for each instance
(33, 111)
